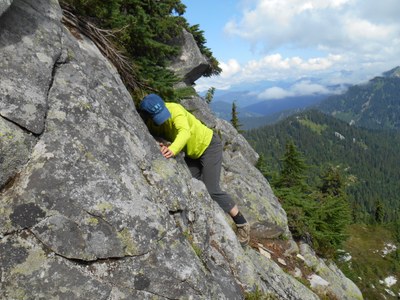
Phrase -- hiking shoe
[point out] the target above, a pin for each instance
(243, 233)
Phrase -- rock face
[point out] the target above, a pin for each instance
(191, 63)
(89, 208)
(335, 281)
(4, 4)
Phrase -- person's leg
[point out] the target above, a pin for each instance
(194, 166)
(211, 162)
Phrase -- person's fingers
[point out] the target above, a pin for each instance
(166, 152)
(164, 149)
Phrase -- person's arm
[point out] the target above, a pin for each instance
(182, 125)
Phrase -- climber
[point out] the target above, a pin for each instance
(202, 147)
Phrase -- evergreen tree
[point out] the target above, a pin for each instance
(145, 32)
(293, 168)
(210, 95)
(234, 118)
(370, 156)
(379, 212)
(198, 35)
(300, 210)
(396, 229)
(332, 182)
(333, 214)
(319, 216)
(291, 189)
(261, 165)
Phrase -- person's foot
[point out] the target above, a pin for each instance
(243, 233)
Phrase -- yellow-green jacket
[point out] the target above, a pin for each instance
(185, 132)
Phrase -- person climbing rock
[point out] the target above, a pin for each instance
(202, 147)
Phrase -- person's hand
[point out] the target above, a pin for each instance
(165, 151)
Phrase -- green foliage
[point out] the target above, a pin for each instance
(396, 229)
(379, 212)
(185, 92)
(318, 214)
(317, 128)
(332, 214)
(198, 35)
(145, 32)
(210, 95)
(300, 209)
(332, 182)
(234, 118)
(261, 165)
(257, 294)
(293, 168)
(368, 159)
(368, 266)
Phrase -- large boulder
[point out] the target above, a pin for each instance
(190, 64)
(89, 208)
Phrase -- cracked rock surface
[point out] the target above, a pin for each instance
(89, 208)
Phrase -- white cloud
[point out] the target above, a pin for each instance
(355, 40)
(302, 88)
(230, 68)
(268, 68)
(274, 93)
(337, 25)
(309, 88)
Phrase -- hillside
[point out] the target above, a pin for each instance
(369, 158)
(370, 257)
(375, 104)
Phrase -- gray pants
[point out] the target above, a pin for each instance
(208, 169)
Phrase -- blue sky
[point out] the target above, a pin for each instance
(313, 44)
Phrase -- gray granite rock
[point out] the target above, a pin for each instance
(31, 48)
(338, 283)
(94, 200)
(89, 208)
(15, 149)
(190, 64)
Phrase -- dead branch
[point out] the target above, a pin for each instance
(102, 39)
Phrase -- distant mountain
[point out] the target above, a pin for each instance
(375, 104)
(269, 107)
(371, 157)
(264, 112)
(255, 122)
(223, 110)
(242, 98)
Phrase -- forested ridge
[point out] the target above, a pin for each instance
(375, 104)
(368, 159)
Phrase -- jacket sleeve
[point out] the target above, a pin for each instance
(183, 132)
